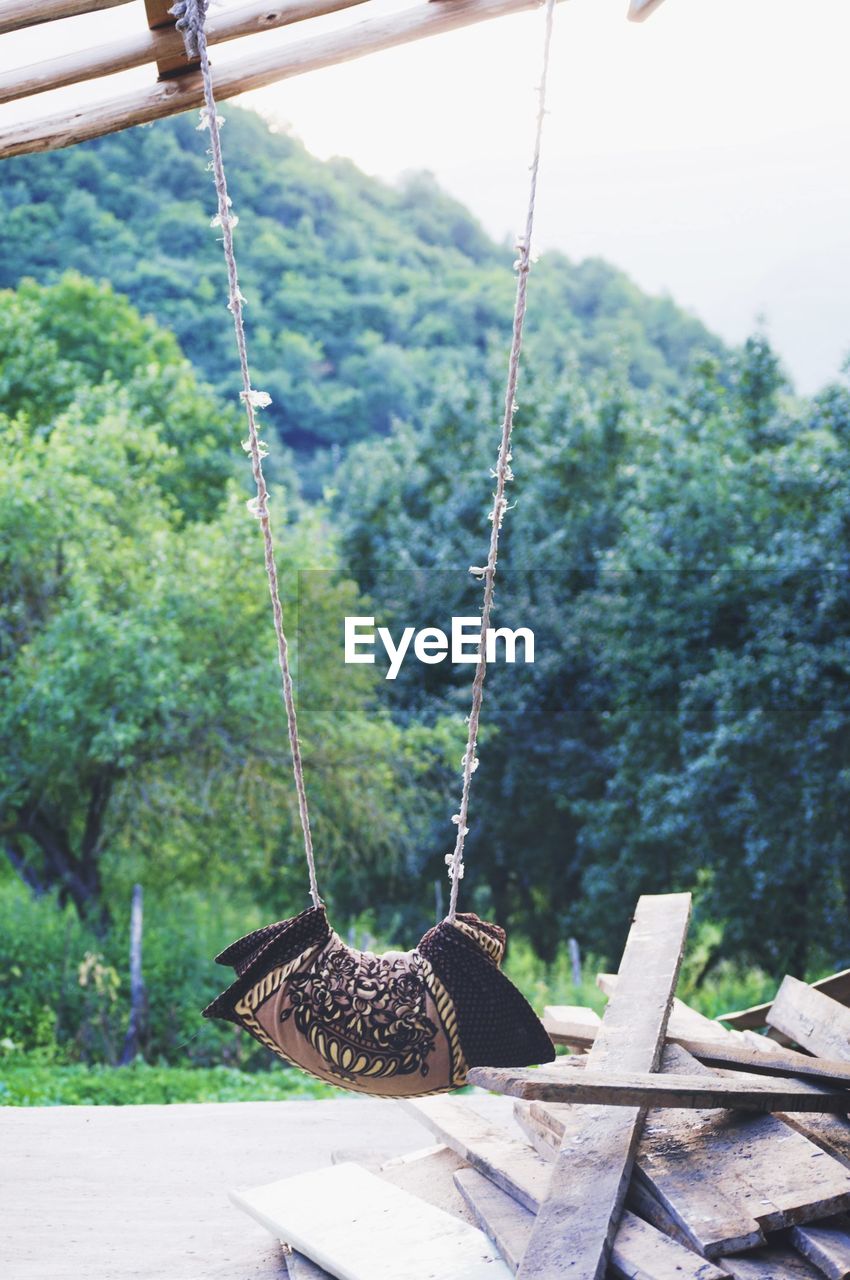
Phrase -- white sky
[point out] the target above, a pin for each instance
(704, 151)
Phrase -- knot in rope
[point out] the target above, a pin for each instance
(191, 16)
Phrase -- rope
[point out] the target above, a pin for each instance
(503, 475)
(190, 16)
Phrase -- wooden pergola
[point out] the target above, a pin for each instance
(176, 84)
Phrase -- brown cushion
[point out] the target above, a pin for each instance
(399, 1024)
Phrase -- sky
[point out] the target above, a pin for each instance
(704, 151)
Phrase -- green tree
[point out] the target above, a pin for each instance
(140, 731)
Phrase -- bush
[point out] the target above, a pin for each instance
(33, 1083)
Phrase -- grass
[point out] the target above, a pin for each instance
(26, 1082)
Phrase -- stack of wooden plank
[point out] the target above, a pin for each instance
(666, 1146)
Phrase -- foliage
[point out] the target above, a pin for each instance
(679, 546)
(136, 657)
(686, 724)
(363, 298)
(24, 1083)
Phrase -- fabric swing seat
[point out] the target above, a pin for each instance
(400, 1024)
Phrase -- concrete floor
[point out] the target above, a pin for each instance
(110, 1193)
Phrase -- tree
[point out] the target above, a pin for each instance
(139, 722)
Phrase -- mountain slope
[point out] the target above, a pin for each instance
(363, 298)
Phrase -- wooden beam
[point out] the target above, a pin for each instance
(776, 1262)
(811, 1019)
(836, 985)
(639, 1249)
(579, 1033)
(170, 97)
(162, 44)
(724, 1180)
(682, 1092)
(15, 14)
(508, 1168)
(174, 62)
(803, 1185)
(826, 1245)
(359, 1227)
(576, 1225)
(507, 1162)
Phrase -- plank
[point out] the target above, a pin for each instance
(724, 1179)
(15, 14)
(814, 1020)
(576, 1224)
(300, 1268)
(507, 1162)
(252, 71)
(826, 1245)
(776, 1262)
(830, 1133)
(568, 1026)
(693, 1093)
(360, 1228)
(504, 1220)
(837, 985)
(509, 1226)
(162, 45)
(429, 1174)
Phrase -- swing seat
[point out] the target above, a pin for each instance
(402, 1024)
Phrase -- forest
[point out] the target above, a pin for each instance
(679, 545)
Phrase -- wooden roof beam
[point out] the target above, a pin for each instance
(162, 45)
(173, 61)
(253, 71)
(15, 14)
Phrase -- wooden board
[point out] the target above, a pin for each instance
(359, 1228)
(492, 1151)
(300, 1268)
(736, 1091)
(724, 1179)
(569, 1026)
(430, 1175)
(776, 1262)
(812, 1019)
(830, 1133)
(826, 1245)
(837, 985)
(577, 1223)
(427, 1173)
(639, 1251)
(509, 1167)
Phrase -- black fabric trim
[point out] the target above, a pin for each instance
(496, 1024)
(275, 944)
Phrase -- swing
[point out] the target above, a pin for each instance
(401, 1024)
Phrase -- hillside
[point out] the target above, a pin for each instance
(363, 298)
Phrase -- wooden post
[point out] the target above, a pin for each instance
(575, 961)
(578, 1220)
(173, 64)
(137, 982)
